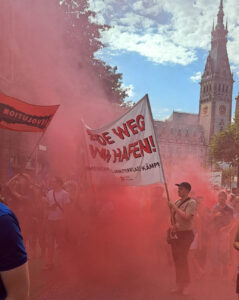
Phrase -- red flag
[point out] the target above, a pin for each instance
(21, 116)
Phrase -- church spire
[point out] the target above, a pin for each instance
(217, 82)
(220, 15)
(219, 34)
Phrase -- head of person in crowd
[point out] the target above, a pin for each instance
(72, 188)
(222, 198)
(23, 183)
(184, 189)
(57, 183)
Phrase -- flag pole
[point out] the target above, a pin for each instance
(157, 147)
(89, 177)
(35, 148)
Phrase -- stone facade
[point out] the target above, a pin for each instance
(180, 137)
(215, 109)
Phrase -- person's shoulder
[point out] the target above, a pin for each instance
(8, 218)
(8, 224)
(193, 201)
(12, 250)
(4, 210)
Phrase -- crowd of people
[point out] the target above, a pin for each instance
(58, 213)
(43, 212)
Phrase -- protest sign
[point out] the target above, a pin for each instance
(126, 148)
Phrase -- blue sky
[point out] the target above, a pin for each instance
(161, 47)
(169, 86)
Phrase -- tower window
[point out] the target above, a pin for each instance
(215, 87)
(219, 87)
(226, 88)
(223, 88)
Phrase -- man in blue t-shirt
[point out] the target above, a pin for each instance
(14, 276)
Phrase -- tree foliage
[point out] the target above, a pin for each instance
(111, 81)
(85, 33)
(225, 145)
(228, 175)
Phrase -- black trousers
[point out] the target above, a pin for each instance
(180, 248)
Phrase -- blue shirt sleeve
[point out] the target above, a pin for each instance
(12, 250)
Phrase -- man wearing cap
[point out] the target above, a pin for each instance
(182, 213)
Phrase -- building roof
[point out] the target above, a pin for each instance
(180, 128)
(182, 118)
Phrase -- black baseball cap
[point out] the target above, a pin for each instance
(186, 185)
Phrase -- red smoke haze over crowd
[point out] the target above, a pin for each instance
(122, 230)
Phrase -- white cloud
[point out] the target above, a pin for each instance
(197, 77)
(165, 31)
(161, 113)
(130, 91)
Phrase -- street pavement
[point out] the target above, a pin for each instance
(54, 285)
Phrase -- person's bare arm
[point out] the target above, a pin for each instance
(16, 282)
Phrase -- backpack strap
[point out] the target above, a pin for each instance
(173, 221)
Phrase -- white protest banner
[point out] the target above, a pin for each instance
(126, 148)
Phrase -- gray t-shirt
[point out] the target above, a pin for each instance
(189, 207)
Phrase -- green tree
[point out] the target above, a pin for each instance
(225, 145)
(228, 175)
(85, 33)
(111, 81)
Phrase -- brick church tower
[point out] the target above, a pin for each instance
(217, 83)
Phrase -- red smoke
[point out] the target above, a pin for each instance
(116, 246)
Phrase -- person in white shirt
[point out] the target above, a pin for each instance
(57, 201)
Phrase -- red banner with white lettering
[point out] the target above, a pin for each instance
(21, 116)
(126, 148)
